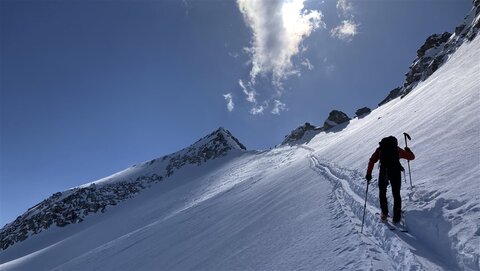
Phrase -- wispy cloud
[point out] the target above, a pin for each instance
(278, 29)
(257, 109)
(306, 63)
(229, 98)
(327, 67)
(278, 107)
(348, 28)
(233, 54)
(187, 6)
(345, 31)
(250, 94)
(345, 7)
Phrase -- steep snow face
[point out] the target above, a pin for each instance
(72, 206)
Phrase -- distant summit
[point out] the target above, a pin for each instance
(217, 144)
(73, 205)
(435, 51)
(299, 133)
(305, 132)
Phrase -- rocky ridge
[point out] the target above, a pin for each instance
(307, 131)
(72, 206)
(435, 51)
(298, 134)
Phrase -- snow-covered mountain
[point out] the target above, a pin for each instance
(217, 206)
(435, 52)
(73, 205)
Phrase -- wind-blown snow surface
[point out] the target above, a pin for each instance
(300, 207)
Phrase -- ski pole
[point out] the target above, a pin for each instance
(408, 161)
(365, 206)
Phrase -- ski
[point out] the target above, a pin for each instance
(400, 227)
(403, 223)
(387, 223)
(392, 226)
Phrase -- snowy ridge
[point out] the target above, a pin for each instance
(436, 51)
(72, 206)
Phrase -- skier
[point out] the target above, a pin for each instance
(389, 155)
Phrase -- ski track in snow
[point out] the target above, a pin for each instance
(405, 252)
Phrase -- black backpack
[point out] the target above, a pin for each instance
(389, 155)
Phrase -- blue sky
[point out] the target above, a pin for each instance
(89, 88)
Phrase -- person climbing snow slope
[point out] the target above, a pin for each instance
(389, 155)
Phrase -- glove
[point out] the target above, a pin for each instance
(408, 149)
(368, 177)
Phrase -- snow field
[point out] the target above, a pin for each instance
(261, 210)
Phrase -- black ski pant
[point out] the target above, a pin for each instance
(394, 176)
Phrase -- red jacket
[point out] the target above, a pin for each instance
(405, 154)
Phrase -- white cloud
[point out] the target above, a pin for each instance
(345, 7)
(234, 55)
(345, 31)
(306, 63)
(258, 109)
(278, 107)
(229, 98)
(278, 28)
(348, 27)
(249, 93)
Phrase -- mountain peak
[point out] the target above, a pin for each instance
(222, 138)
(217, 144)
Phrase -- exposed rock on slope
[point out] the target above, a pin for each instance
(334, 118)
(299, 133)
(435, 51)
(362, 111)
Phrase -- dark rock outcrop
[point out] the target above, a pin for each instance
(362, 111)
(334, 118)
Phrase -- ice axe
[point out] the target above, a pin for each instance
(407, 136)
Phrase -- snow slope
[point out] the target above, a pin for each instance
(299, 206)
(441, 115)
